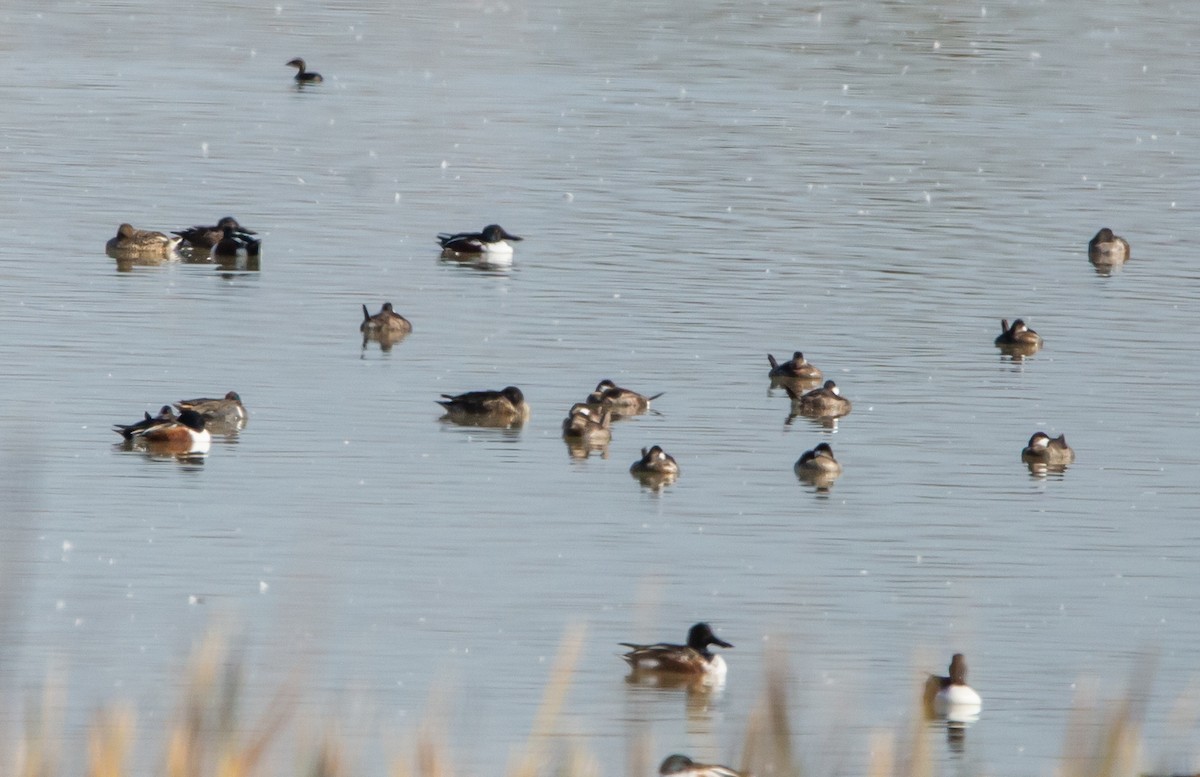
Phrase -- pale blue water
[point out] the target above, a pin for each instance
(698, 185)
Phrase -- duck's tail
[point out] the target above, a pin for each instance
(771, 359)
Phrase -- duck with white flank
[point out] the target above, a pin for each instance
(491, 245)
(185, 434)
(950, 697)
(693, 659)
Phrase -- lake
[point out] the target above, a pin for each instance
(697, 185)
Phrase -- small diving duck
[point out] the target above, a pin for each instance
(818, 461)
(951, 697)
(131, 243)
(681, 766)
(1107, 248)
(588, 425)
(207, 237)
(655, 462)
(235, 242)
(507, 403)
(621, 401)
(1018, 336)
(304, 76)
(226, 411)
(387, 323)
(1044, 450)
(796, 368)
(491, 244)
(823, 402)
(129, 431)
(185, 434)
(694, 658)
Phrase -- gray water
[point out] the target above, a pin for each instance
(699, 184)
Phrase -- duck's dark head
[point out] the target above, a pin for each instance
(1039, 440)
(192, 420)
(232, 396)
(824, 448)
(701, 636)
(958, 670)
(494, 233)
(126, 231)
(513, 394)
(674, 764)
(297, 63)
(387, 307)
(230, 221)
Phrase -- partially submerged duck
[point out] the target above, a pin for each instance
(1017, 337)
(491, 244)
(694, 658)
(823, 402)
(1107, 248)
(818, 461)
(951, 697)
(207, 237)
(588, 425)
(681, 766)
(131, 243)
(507, 404)
(304, 76)
(185, 434)
(655, 462)
(1045, 450)
(621, 401)
(384, 324)
(795, 368)
(227, 411)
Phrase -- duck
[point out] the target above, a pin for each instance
(818, 461)
(620, 400)
(681, 766)
(951, 696)
(1046, 450)
(796, 368)
(131, 243)
(1017, 336)
(585, 424)
(184, 434)
(1107, 248)
(228, 410)
(386, 323)
(129, 431)
(304, 76)
(491, 243)
(507, 403)
(655, 462)
(208, 236)
(825, 401)
(235, 242)
(693, 658)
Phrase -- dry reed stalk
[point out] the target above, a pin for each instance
(552, 703)
(110, 739)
